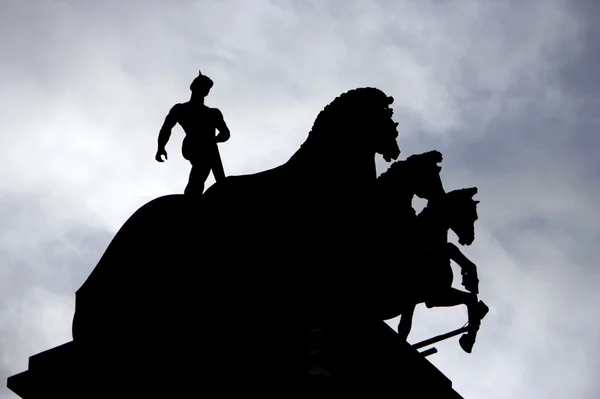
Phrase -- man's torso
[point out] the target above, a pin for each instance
(198, 121)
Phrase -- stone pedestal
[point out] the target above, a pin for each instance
(369, 360)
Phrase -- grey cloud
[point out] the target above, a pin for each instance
(44, 257)
(506, 90)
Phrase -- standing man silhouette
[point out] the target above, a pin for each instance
(199, 122)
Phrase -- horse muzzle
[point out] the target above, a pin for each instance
(393, 154)
(466, 242)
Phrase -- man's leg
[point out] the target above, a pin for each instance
(198, 176)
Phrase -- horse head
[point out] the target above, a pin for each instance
(384, 140)
(417, 175)
(356, 124)
(424, 174)
(462, 214)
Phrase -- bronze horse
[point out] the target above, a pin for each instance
(431, 273)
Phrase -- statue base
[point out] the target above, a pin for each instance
(369, 359)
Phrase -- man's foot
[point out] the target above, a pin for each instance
(466, 342)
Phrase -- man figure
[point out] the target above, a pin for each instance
(200, 143)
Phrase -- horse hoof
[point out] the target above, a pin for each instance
(466, 342)
(482, 309)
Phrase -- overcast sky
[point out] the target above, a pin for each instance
(508, 91)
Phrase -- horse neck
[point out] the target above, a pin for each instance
(320, 161)
(398, 186)
(434, 223)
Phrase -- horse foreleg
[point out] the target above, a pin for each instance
(476, 313)
(476, 310)
(451, 297)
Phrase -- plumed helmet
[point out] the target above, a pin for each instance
(201, 83)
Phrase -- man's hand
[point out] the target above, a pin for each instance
(160, 153)
(221, 126)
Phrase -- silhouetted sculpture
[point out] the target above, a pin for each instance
(420, 240)
(457, 211)
(279, 242)
(417, 175)
(199, 122)
(250, 286)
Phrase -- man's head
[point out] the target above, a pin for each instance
(201, 85)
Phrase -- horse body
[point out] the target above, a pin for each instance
(397, 227)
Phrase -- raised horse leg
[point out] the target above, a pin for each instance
(476, 311)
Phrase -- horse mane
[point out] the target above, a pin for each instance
(427, 158)
(417, 162)
(462, 195)
(335, 114)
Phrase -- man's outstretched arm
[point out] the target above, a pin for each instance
(165, 132)
(224, 133)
